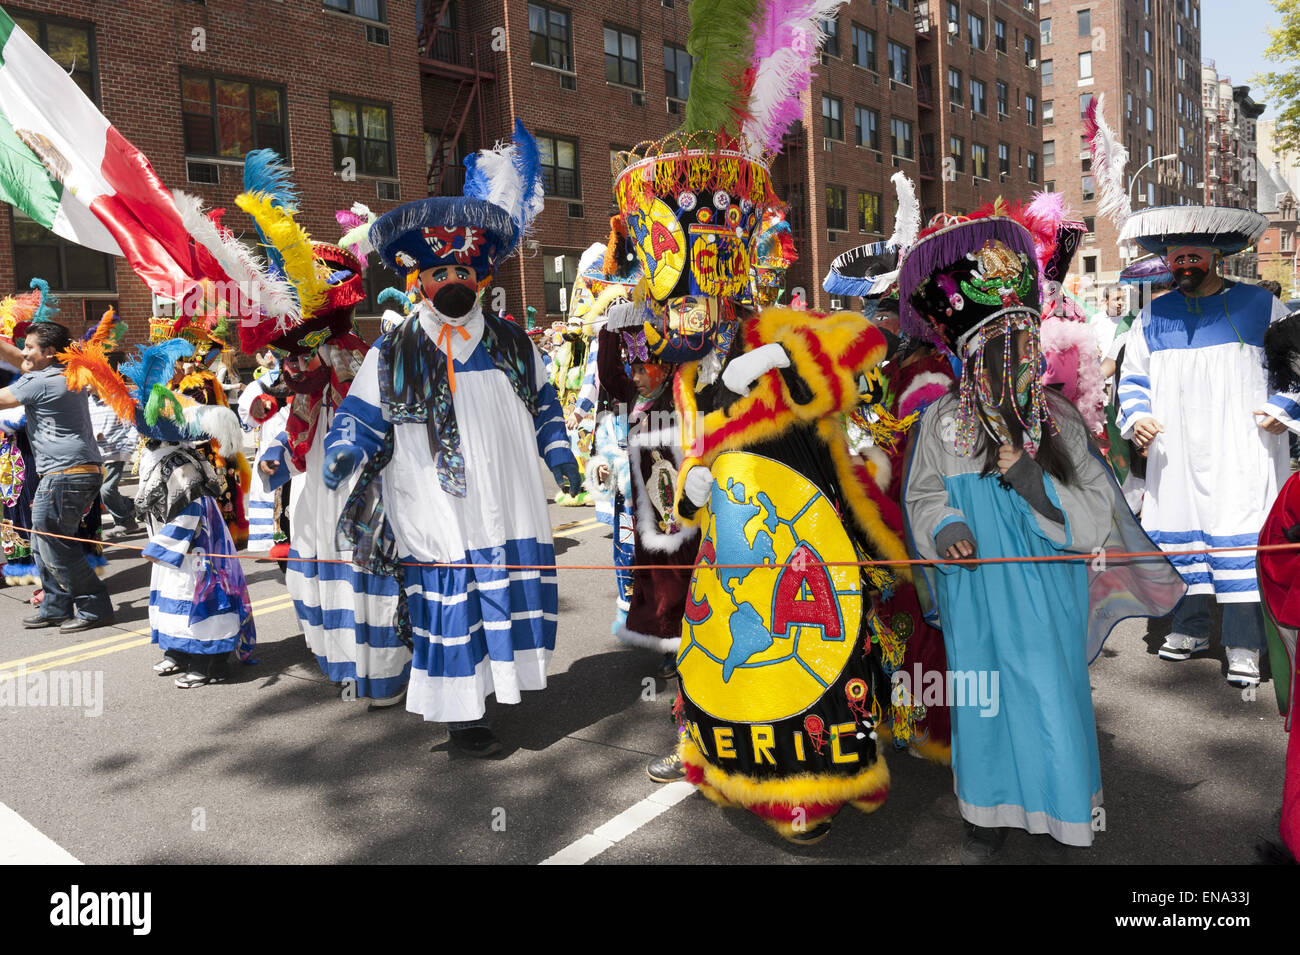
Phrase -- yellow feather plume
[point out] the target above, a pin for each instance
(294, 245)
(88, 367)
(104, 330)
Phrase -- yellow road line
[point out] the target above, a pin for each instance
(120, 635)
(102, 651)
(577, 526)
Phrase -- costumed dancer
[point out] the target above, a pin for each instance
(17, 467)
(1004, 468)
(349, 616)
(654, 454)
(445, 421)
(1193, 392)
(1278, 585)
(894, 396)
(199, 611)
(264, 412)
(779, 665)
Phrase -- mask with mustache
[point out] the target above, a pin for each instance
(453, 300)
(1190, 278)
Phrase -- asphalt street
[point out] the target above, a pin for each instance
(274, 767)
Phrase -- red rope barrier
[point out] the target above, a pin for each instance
(959, 561)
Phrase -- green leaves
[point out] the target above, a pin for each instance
(1282, 87)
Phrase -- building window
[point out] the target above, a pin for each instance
(864, 48)
(902, 135)
(1031, 111)
(677, 72)
(1049, 152)
(1045, 30)
(979, 102)
(1000, 36)
(1003, 98)
(901, 4)
(1004, 159)
(869, 212)
(67, 267)
(363, 132)
(1085, 23)
(1084, 100)
(1151, 120)
(837, 215)
(1288, 241)
(832, 118)
(1089, 188)
(369, 9)
(1085, 66)
(975, 30)
(1090, 223)
(954, 12)
(559, 159)
(549, 39)
(1029, 50)
(957, 152)
(229, 117)
(979, 160)
(831, 27)
(1031, 166)
(1146, 40)
(1047, 72)
(558, 275)
(868, 121)
(954, 86)
(1049, 111)
(622, 57)
(1148, 79)
(900, 63)
(70, 45)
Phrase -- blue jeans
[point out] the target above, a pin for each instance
(123, 511)
(70, 585)
(1243, 623)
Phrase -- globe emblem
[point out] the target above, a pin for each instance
(764, 643)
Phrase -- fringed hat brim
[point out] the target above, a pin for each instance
(1224, 229)
(471, 232)
(860, 271)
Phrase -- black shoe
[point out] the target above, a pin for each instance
(666, 769)
(39, 622)
(85, 623)
(477, 741)
(981, 844)
(668, 668)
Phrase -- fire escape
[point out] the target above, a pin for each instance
(465, 63)
(924, 91)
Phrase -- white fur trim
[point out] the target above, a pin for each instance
(884, 471)
(648, 534)
(927, 379)
(634, 638)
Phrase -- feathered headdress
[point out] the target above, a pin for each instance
(509, 177)
(87, 365)
(907, 221)
(357, 221)
(1109, 159)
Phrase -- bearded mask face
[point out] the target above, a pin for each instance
(452, 290)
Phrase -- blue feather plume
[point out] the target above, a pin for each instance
(154, 365)
(399, 299)
(528, 160)
(49, 306)
(266, 173)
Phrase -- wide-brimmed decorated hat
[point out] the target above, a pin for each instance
(1226, 230)
(344, 289)
(871, 270)
(503, 194)
(964, 272)
(19, 312)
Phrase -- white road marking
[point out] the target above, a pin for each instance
(621, 826)
(21, 843)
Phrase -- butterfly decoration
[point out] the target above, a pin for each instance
(635, 344)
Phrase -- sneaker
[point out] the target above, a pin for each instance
(667, 769)
(387, 701)
(121, 532)
(169, 665)
(668, 668)
(1178, 646)
(981, 844)
(478, 741)
(1243, 667)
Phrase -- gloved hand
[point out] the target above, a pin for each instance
(568, 473)
(340, 462)
(698, 485)
(743, 370)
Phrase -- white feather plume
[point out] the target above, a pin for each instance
(1109, 159)
(219, 423)
(907, 221)
(273, 295)
(595, 253)
(362, 211)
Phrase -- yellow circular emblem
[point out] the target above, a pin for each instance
(760, 645)
(660, 246)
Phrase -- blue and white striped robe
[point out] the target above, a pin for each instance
(1197, 366)
(176, 621)
(480, 630)
(261, 501)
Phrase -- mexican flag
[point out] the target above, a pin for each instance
(64, 164)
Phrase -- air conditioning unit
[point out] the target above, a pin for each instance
(638, 98)
(952, 28)
(208, 173)
(576, 211)
(568, 82)
(826, 144)
(830, 237)
(1033, 63)
(387, 189)
(674, 107)
(377, 35)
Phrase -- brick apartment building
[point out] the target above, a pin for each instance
(1278, 252)
(379, 101)
(1230, 157)
(1144, 55)
(197, 85)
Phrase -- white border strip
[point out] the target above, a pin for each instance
(621, 826)
(21, 843)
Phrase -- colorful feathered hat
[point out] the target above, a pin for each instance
(1226, 230)
(770, 259)
(503, 194)
(872, 270)
(19, 312)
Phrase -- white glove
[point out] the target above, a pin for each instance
(698, 485)
(743, 370)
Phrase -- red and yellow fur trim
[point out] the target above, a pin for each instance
(873, 510)
(791, 803)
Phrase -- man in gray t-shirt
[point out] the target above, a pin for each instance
(67, 460)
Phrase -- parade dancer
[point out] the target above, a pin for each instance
(445, 421)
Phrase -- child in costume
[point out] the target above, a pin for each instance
(445, 421)
(1005, 468)
(199, 610)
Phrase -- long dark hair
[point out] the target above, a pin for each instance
(1051, 457)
